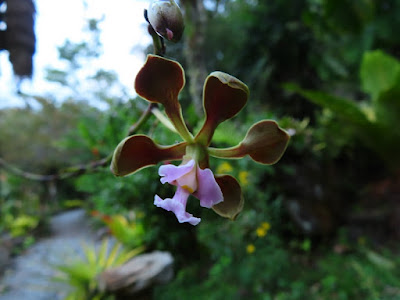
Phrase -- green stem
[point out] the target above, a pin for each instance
(206, 133)
(143, 118)
(178, 122)
(232, 153)
(158, 42)
(163, 119)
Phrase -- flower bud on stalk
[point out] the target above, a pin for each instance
(166, 18)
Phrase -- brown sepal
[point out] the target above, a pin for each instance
(139, 151)
(233, 198)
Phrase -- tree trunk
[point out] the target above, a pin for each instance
(195, 25)
(19, 38)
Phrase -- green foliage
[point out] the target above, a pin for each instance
(379, 73)
(357, 276)
(275, 269)
(43, 130)
(264, 43)
(36, 143)
(20, 225)
(110, 196)
(229, 133)
(268, 43)
(344, 30)
(78, 79)
(130, 233)
(81, 275)
(373, 122)
(20, 210)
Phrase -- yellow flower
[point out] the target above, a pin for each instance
(261, 232)
(263, 229)
(266, 225)
(224, 168)
(250, 248)
(244, 178)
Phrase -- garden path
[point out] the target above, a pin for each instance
(31, 276)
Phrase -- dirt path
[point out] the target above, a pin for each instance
(31, 275)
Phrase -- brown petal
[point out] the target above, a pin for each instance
(233, 198)
(160, 81)
(265, 142)
(139, 151)
(223, 97)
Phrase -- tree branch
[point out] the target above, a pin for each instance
(159, 49)
(143, 118)
(63, 174)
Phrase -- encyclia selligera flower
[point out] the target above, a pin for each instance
(160, 81)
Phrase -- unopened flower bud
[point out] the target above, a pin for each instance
(166, 18)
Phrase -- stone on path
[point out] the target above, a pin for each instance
(31, 276)
(139, 274)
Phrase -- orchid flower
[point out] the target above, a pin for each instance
(160, 81)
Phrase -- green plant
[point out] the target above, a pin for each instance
(374, 121)
(129, 232)
(81, 274)
(20, 225)
(272, 269)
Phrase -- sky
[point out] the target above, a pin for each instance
(123, 36)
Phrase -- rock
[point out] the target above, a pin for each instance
(30, 275)
(6, 245)
(139, 274)
(4, 258)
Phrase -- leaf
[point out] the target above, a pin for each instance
(102, 255)
(380, 260)
(228, 133)
(113, 255)
(343, 107)
(387, 109)
(125, 256)
(78, 273)
(90, 254)
(379, 73)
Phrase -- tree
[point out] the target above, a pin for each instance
(18, 38)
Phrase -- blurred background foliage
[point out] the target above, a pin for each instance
(323, 223)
